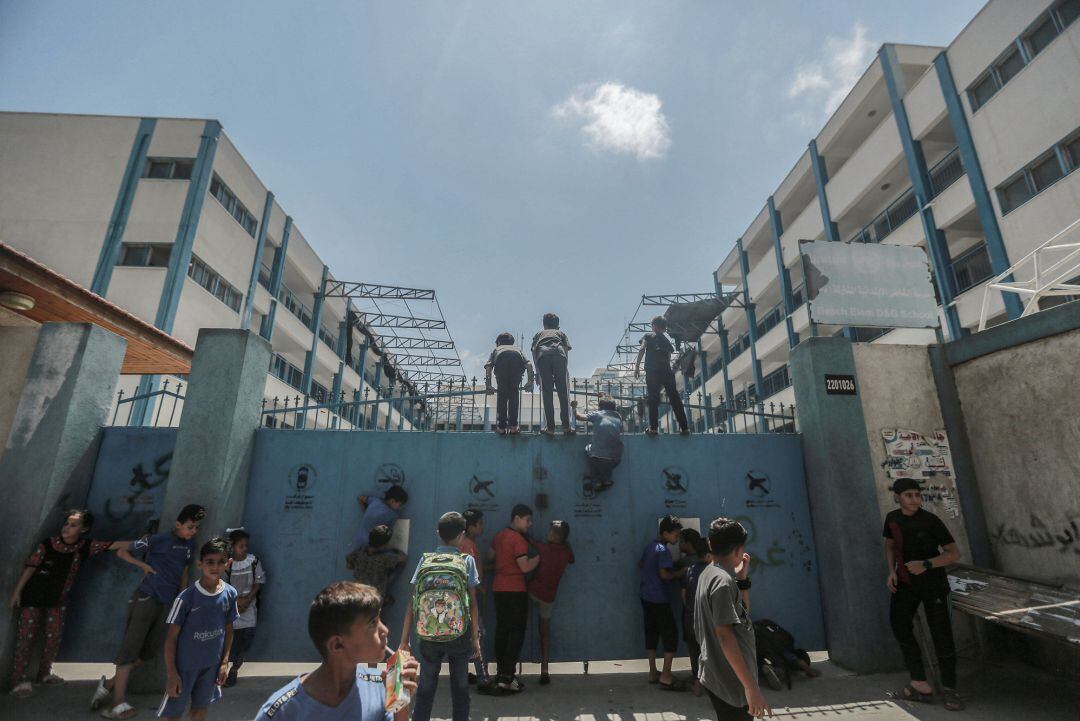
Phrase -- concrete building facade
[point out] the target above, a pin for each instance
(968, 151)
(165, 218)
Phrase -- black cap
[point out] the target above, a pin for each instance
(905, 484)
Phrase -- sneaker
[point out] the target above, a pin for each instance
(512, 685)
(684, 431)
(101, 696)
(771, 678)
(569, 432)
(550, 432)
(119, 711)
(545, 678)
(51, 679)
(652, 432)
(230, 680)
(23, 690)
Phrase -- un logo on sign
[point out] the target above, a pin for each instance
(302, 478)
(389, 474)
(482, 486)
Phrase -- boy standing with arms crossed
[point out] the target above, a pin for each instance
(727, 667)
(200, 638)
(166, 572)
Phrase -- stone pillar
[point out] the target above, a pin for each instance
(212, 456)
(17, 344)
(48, 459)
(844, 509)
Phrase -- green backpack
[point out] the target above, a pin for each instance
(441, 597)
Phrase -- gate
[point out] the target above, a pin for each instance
(302, 513)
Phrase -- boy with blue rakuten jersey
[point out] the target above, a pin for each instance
(199, 638)
(345, 627)
(166, 572)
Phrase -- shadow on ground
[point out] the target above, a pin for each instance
(618, 692)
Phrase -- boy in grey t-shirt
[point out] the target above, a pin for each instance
(728, 665)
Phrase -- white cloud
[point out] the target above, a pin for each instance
(824, 82)
(619, 119)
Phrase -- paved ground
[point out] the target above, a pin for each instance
(618, 692)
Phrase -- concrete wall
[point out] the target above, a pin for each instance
(1020, 405)
(896, 390)
(17, 344)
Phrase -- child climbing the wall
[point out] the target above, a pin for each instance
(165, 573)
(379, 512)
(604, 454)
(444, 610)
(247, 575)
(555, 556)
(550, 349)
(374, 564)
(42, 592)
(509, 365)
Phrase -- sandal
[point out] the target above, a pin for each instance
(23, 690)
(953, 702)
(120, 711)
(910, 693)
(545, 679)
(675, 685)
(51, 680)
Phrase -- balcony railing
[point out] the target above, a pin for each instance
(946, 172)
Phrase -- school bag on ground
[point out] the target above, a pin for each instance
(775, 646)
(441, 597)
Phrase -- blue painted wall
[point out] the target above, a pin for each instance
(597, 615)
(125, 496)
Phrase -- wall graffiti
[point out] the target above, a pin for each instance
(141, 482)
(1063, 537)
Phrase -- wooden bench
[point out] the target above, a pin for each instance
(1028, 606)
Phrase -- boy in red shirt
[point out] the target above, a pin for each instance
(511, 596)
(554, 556)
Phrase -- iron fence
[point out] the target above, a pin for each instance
(146, 409)
(463, 408)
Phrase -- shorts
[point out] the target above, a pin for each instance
(198, 689)
(144, 629)
(542, 607)
(660, 624)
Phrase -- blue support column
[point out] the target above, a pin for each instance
(821, 177)
(267, 330)
(995, 243)
(256, 265)
(316, 321)
(374, 425)
(725, 359)
(751, 321)
(920, 183)
(706, 400)
(180, 258)
(114, 236)
(343, 330)
(782, 272)
(362, 365)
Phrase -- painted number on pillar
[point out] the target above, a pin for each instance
(839, 385)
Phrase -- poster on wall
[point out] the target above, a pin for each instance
(910, 454)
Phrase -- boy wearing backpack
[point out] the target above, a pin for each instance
(444, 610)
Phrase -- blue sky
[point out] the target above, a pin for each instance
(516, 157)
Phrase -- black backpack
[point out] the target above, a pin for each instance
(774, 643)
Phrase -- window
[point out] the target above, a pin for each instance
(1072, 150)
(1040, 174)
(983, 89)
(169, 168)
(1041, 35)
(1014, 193)
(972, 268)
(264, 276)
(327, 337)
(144, 256)
(776, 381)
(1009, 66)
(1068, 11)
(233, 206)
(214, 284)
(1045, 172)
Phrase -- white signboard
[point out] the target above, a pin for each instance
(869, 284)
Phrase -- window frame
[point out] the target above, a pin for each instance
(1040, 22)
(171, 165)
(149, 250)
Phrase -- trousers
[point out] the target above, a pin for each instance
(935, 602)
(30, 627)
(551, 372)
(663, 379)
(511, 617)
(431, 656)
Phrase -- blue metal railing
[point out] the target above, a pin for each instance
(461, 408)
(141, 400)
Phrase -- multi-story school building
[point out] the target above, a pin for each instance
(969, 151)
(166, 219)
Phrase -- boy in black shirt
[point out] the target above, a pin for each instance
(918, 547)
(549, 350)
(657, 350)
(509, 365)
